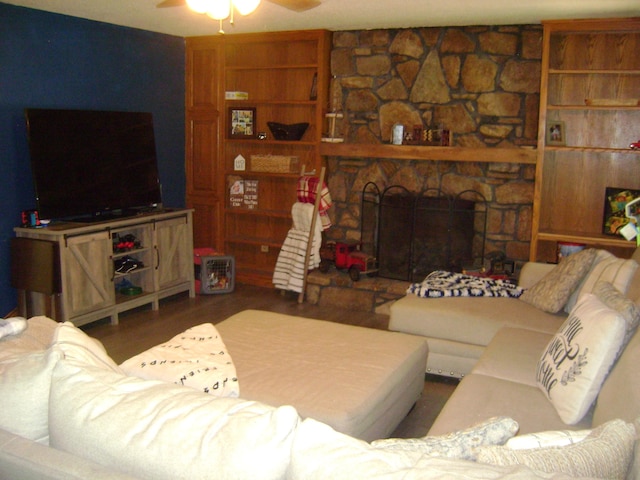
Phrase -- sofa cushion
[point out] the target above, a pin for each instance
(153, 429)
(479, 397)
(608, 268)
(25, 380)
(458, 444)
(605, 453)
(471, 320)
(196, 358)
(552, 292)
(513, 355)
(578, 358)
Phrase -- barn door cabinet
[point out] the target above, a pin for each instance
(590, 91)
(98, 261)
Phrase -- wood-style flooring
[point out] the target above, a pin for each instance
(143, 328)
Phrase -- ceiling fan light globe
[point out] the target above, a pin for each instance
(245, 7)
(198, 6)
(219, 9)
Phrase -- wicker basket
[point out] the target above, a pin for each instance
(274, 163)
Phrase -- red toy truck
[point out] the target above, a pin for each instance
(347, 256)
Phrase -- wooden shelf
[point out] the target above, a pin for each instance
(593, 107)
(293, 66)
(556, 71)
(258, 212)
(592, 149)
(254, 241)
(420, 152)
(589, 239)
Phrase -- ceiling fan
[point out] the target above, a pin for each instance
(295, 5)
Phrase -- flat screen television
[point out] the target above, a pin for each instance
(90, 165)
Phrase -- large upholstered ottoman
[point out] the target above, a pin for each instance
(360, 381)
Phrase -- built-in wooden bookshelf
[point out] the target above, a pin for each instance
(591, 87)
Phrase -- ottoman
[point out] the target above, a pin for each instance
(360, 381)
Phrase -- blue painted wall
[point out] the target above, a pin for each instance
(55, 61)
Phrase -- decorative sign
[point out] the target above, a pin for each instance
(243, 194)
(239, 163)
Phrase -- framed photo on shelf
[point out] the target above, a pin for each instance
(556, 133)
(614, 215)
(242, 122)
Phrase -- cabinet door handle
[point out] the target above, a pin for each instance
(157, 257)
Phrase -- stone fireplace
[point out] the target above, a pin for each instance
(481, 83)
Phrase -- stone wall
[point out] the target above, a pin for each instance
(481, 83)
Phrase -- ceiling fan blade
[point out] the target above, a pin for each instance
(297, 5)
(171, 3)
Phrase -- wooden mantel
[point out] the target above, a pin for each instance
(419, 152)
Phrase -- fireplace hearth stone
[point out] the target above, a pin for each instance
(368, 294)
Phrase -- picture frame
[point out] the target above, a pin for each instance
(615, 201)
(556, 133)
(241, 123)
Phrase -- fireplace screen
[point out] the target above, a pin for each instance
(414, 234)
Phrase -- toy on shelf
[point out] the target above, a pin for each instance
(632, 211)
(332, 128)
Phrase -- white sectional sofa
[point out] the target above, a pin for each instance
(497, 344)
(70, 412)
(458, 329)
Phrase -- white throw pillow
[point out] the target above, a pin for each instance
(196, 358)
(606, 268)
(77, 345)
(458, 444)
(25, 380)
(153, 429)
(578, 358)
(605, 453)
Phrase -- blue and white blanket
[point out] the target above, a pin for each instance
(441, 283)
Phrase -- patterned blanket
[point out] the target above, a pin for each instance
(441, 283)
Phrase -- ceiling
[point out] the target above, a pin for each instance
(337, 14)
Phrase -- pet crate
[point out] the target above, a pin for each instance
(217, 274)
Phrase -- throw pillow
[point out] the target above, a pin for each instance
(627, 308)
(605, 453)
(25, 380)
(459, 444)
(12, 326)
(606, 267)
(153, 429)
(197, 358)
(36, 337)
(75, 344)
(578, 358)
(554, 289)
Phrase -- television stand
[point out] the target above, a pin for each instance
(91, 285)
